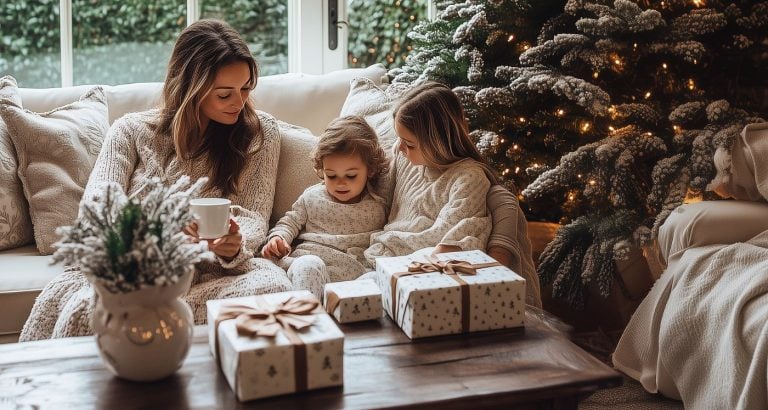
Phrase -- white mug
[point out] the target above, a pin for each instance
(212, 216)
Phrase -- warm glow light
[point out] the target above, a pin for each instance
(648, 95)
(595, 74)
(610, 127)
(634, 46)
(676, 128)
(585, 126)
(535, 165)
(511, 37)
(695, 61)
(521, 119)
(560, 111)
(526, 47)
(664, 66)
(578, 176)
(617, 61)
(691, 84)
(517, 170)
(502, 140)
(515, 146)
(571, 197)
(412, 18)
(397, 25)
(592, 182)
(698, 3)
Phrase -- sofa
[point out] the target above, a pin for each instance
(304, 103)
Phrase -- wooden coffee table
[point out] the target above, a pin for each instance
(382, 369)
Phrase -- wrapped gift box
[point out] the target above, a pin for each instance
(353, 301)
(436, 303)
(290, 361)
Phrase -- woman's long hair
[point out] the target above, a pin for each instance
(433, 113)
(200, 51)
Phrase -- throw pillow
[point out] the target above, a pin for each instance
(294, 170)
(56, 151)
(15, 225)
(376, 105)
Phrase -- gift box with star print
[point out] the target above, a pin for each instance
(353, 300)
(455, 292)
(305, 351)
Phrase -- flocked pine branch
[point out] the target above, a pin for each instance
(127, 244)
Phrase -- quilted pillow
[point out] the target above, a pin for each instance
(376, 105)
(56, 151)
(15, 225)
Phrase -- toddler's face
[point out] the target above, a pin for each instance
(409, 145)
(345, 176)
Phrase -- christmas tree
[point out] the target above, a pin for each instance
(639, 95)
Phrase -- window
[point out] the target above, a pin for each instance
(49, 43)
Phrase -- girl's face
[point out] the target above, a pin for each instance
(409, 145)
(345, 176)
(230, 91)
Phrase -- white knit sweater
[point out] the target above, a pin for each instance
(431, 207)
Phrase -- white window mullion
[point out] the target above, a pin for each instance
(193, 11)
(431, 10)
(67, 61)
(308, 50)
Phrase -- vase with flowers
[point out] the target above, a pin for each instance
(140, 262)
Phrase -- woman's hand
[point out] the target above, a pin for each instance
(276, 248)
(228, 246)
(445, 248)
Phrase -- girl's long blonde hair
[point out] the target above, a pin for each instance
(201, 50)
(433, 113)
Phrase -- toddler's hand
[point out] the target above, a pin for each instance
(276, 248)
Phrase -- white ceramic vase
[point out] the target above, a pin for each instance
(143, 335)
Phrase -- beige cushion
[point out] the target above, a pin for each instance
(294, 169)
(56, 151)
(376, 105)
(15, 225)
(24, 272)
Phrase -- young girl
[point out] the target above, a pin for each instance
(440, 181)
(335, 218)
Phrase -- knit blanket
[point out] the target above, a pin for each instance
(701, 334)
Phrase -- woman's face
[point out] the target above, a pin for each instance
(345, 176)
(228, 95)
(409, 145)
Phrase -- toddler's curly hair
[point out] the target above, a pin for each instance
(352, 135)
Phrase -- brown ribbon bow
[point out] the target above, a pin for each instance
(294, 313)
(452, 268)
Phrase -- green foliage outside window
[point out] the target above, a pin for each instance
(378, 31)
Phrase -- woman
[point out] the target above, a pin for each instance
(206, 126)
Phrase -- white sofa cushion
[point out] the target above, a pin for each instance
(15, 225)
(56, 151)
(24, 273)
(376, 105)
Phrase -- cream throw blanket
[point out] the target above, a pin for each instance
(701, 334)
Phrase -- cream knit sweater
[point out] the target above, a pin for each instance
(130, 155)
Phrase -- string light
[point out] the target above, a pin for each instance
(634, 46)
(698, 3)
(610, 128)
(592, 182)
(517, 170)
(521, 119)
(585, 126)
(412, 18)
(617, 61)
(676, 128)
(691, 84)
(511, 38)
(571, 196)
(397, 25)
(515, 146)
(595, 74)
(560, 112)
(664, 66)
(502, 140)
(506, 171)
(647, 95)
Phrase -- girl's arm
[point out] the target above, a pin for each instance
(289, 226)
(255, 195)
(509, 243)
